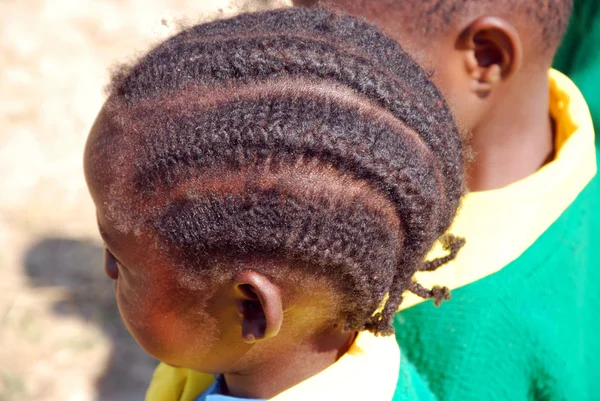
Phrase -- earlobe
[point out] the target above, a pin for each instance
(259, 306)
(493, 52)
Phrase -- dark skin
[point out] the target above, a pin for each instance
(493, 74)
(263, 334)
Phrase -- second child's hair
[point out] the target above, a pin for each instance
(295, 135)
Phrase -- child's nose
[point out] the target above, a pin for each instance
(110, 265)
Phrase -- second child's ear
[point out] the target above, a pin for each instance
(492, 52)
(259, 306)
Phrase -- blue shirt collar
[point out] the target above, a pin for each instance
(215, 393)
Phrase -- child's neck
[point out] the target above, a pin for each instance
(515, 139)
(289, 367)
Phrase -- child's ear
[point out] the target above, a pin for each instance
(493, 52)
(259, 305)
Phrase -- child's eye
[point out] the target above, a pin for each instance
(111, 265)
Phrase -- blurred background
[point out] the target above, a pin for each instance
(61, 337)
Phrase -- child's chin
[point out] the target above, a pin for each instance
(171, 365)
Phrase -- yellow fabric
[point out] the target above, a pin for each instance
(499, 225)
(368, 371)
(176, 384)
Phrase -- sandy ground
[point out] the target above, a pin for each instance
(61, 337)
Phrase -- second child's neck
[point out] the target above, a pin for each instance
(515, 140)
(289, 367)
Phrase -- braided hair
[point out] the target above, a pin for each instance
(298, 135)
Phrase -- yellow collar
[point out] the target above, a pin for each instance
(499, 225)
(368, 371)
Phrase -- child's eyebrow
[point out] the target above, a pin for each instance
(105, 237)
(108, 244)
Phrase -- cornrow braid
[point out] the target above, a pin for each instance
(450, 243)
(298, 135)
(251, 50)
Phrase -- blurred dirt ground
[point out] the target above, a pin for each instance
(61, 337)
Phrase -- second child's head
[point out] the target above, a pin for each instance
(267, 182)
(474, 47)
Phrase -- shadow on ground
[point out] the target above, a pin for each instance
(76, 265)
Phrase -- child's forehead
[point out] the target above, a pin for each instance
(109, 164)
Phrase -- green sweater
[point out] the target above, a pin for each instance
(411, 386)
(579, 54)
(530, 331)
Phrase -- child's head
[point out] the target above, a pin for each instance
(474, 46)
(270, 177)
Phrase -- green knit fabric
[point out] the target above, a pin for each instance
(530, 331)
(579, 54)
(411, 386)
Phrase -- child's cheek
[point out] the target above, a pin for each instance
(137, 314)
(158, 329)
